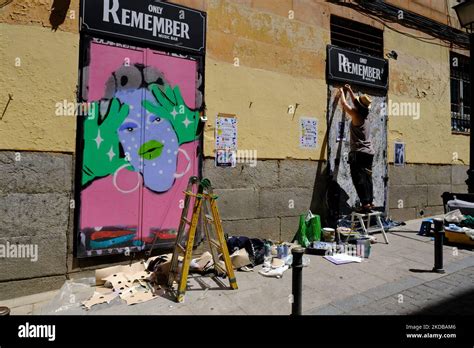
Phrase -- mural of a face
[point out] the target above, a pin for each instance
(149, 141)
(139, 149)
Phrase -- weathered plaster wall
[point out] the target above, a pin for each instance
(434, 9)
(41, 13)
(262, 37)
(47, 74)
(281, 62)
(421, 75)
(264, 126)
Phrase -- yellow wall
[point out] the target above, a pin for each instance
(421, 75)
(262, 37)
(266, 126)
(281, 62)
(47, 75)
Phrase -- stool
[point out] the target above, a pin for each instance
(369, 229)
(425, 228)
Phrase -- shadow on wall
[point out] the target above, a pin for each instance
(337, 197)
(58, 13)
(319, 199)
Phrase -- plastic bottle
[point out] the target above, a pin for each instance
(267, 259)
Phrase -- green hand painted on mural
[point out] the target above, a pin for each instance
(101, 142)
(171, 106)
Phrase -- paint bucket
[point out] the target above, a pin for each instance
(268, 250)
(267, 259)
(329, 234)
(363, 247)
(279, 251)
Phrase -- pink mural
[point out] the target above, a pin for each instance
(139, 148)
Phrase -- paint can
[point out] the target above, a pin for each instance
(280, 252)
(267, 259)
(363, 247)
(329, 234)
(268, 250)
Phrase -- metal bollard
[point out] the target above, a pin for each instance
(297, 280)
(438, 246)
(4, 311)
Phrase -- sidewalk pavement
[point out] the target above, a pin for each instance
(450, 294)
(396, 279)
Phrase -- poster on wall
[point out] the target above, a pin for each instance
(308, 132)
(226, 140)
(399, 154)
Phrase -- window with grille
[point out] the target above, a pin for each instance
(460, 93)
(346, 33)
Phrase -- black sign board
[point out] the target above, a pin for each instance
(148, 21)
(352, 67)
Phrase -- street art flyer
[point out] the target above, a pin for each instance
(226, 140)
(308, 132)
(399, 154)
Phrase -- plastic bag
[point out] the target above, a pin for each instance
(301, 234)
(273, 272)
(313, 229)
(309, 229)
(69, 298)
(454, 216)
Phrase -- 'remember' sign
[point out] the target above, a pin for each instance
(352, 67)
(148, 21)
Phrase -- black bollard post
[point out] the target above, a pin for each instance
(297, 280)
(438, 246)
(4, 311)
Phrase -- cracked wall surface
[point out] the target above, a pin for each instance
(281, 63)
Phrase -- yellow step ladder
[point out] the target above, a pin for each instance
(203, 198)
